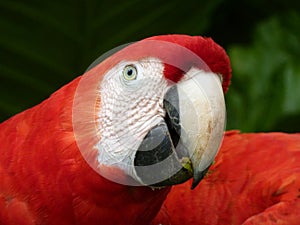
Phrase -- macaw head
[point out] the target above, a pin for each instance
(153, 113)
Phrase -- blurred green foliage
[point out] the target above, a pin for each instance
(45, 44)
(265, 94)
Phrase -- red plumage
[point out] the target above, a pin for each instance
(255, 180)
(45, 180)
(212, 54)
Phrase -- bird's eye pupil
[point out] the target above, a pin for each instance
(129, 72)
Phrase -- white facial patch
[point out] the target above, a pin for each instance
(129, 108)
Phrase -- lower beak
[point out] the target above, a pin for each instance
(185, 143)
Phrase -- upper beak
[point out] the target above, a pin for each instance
(186, 142)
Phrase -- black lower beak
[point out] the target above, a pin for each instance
(161, 160)
(198, 177)
(160, 165)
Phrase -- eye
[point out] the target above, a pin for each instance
(130, 72)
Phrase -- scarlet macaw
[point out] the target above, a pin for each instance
(139, 108)
(149, 93)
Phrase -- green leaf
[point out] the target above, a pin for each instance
(266, 78)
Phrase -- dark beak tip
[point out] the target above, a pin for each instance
(196, 181)
(198, 176)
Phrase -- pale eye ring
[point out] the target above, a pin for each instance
(130, 72)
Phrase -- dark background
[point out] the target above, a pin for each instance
(45, 44)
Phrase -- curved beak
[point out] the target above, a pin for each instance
(203, 116)
(189, 136)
